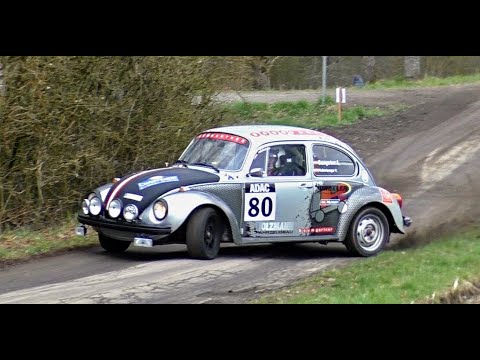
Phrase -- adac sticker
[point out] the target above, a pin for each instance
(155, 180)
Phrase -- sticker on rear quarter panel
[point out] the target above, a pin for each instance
(386, 196)
(260, 202)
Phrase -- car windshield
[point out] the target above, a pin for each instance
(224, 151)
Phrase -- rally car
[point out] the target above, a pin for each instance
(248, 185)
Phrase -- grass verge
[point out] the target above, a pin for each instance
(303, 113)
(418, 275)
(24, 244)
(427, 81)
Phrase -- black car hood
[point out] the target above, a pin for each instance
(144, 187)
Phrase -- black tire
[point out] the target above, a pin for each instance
(204, 234)
(113, 246)
(368, 233)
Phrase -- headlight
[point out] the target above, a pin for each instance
(95, 205)
(85, 204)
(130, 212)
(115, 208)
(160, 210)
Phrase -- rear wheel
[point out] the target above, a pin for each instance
(204, 233)
(368, 233)
(113, 246)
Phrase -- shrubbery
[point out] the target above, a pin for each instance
(68, 124)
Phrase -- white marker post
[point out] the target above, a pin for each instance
(341, 98)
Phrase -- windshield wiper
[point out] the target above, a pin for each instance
(207, 165)
(181, 162)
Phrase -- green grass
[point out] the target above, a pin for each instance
(427, 81)
(406, 276)
(303, 113)
(24, 244)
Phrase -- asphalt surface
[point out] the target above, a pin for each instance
(429, 153)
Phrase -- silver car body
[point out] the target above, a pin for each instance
(260, 208)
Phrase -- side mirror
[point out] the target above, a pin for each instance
(257, 172)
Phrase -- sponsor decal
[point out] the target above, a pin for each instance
(221, 136)
(133, 197)
(333, 194)
(386, 196)
(285, 132)
(328, 166)
(328, 202)
(274, 227)
(317, 230)
(155, 180)
(260, 202)
(330, 171)
(327, 162)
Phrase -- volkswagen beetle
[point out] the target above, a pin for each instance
(248, 185)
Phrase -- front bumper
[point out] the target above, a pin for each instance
(102, 223)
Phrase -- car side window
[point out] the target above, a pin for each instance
(286, 160)
(328, 161)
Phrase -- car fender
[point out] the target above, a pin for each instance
(182, 204)
(102, 191)
(376, 196)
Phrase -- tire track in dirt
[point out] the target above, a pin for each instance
(430, 159)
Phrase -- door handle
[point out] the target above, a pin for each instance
(305, 186)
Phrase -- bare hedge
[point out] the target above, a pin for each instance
(68, 124)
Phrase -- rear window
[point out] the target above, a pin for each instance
(328, 161)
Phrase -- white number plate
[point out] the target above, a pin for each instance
(143, 242)
(260, 202)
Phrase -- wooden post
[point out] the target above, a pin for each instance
(340, 98)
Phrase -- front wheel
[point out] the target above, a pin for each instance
(368, 233)
(113, 246)
(204, 233)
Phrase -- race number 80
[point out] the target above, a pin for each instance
(260, 202)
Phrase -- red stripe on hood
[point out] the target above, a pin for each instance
(123, 184)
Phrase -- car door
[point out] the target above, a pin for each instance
(334, 175)
(276, 198)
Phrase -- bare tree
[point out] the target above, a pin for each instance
(313, 72)
(262, 67)
(370, 73)
(2, 83)
(412, 67)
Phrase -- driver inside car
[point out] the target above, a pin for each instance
(285, 165)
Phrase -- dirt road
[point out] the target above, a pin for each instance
(429, 153)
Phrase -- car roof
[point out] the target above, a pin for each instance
(260, 134)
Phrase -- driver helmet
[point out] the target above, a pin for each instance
(279, 155)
